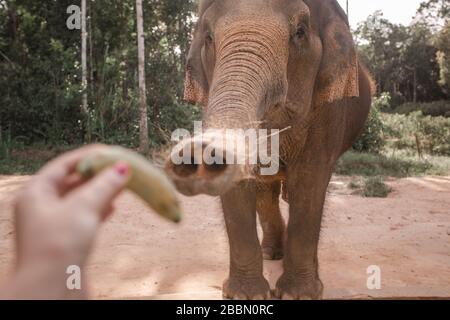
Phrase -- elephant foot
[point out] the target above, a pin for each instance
(246, 289)
(292, 288)
(273, 243)
(272, 251)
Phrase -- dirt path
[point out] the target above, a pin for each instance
(140, 256)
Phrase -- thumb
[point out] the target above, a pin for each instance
(98, 194)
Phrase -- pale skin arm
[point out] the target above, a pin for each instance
(57, 216)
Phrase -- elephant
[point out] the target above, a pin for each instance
(275, 64)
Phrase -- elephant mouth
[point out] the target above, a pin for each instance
(194, 173)
(212, 163)
(215, 180)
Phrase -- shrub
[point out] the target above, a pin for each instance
(354, 185)
(370, 165)
(374, 187)
(414, 131)
(434, 109)
(372, 140)
(436, 135)
(5, 144)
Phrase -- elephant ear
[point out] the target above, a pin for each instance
(338, 77)
(196, 87)
(195, 84)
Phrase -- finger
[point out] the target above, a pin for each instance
(50, 178)
(71, 183)
(57, 169)
(108, 213)
(98, 194)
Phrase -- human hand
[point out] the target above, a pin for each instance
(57, 217)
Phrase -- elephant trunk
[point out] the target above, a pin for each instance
(249, 79)
(249, 76)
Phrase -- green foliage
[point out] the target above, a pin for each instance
(434, 10)
(436, 14)
(418, 127)
(372, 140)
(375, 187)
(403, 60)
(434, 109)
(27, 160)
(354, 185)
(435, 135)
(181, 115)
(369, 165)
(38, 79)
(40, 70)
(416, 131)
(5, 144)
(443, 57)
(20, 166)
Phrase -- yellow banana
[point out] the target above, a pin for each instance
(146, 181)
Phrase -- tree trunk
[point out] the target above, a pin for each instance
(125, 44)
(91, 49)
(415, 86)
(347, 11)
(84, 72)
(419, 146)
(144, 145)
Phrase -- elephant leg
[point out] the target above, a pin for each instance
(307, 188)
(246, 280)
(268, 207)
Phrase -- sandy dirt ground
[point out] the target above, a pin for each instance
(140, 256)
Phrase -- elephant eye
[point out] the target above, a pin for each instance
(301, 32)
(209, 37)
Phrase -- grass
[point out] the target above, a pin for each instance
(19, 166)
(354, 185)
(371, 169)
(27, 161)
(434, 109)
(369, 187)
(399, 166)
(374, 187)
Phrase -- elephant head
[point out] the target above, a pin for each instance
(263, 63)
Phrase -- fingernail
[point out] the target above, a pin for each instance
(122, 169)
